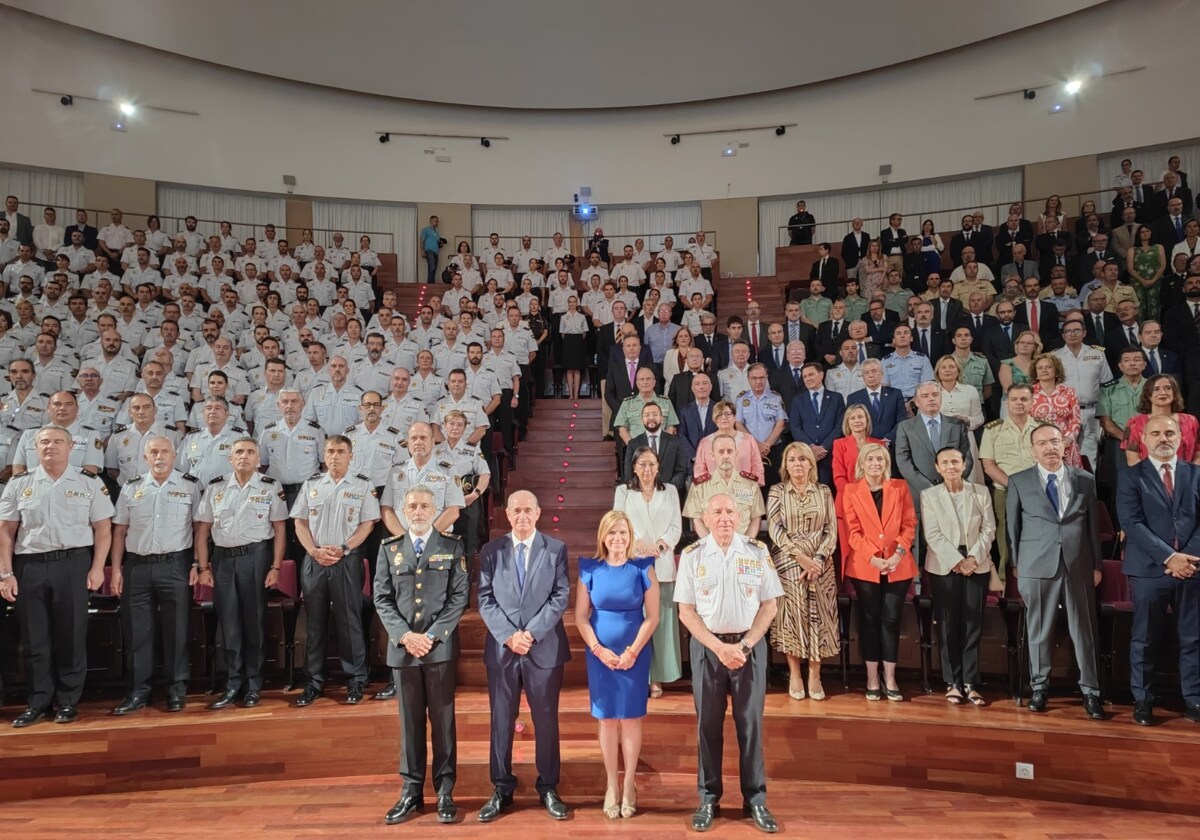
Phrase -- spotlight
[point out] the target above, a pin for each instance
(675, 140)
(782, 130)
(486, 143)
(119, 125)
(127, 109)
(1030, 94)
(385, 138)
(1073, 87)
(67, 99)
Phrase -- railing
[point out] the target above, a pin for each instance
(511, 243)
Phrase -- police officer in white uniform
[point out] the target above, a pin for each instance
(333, 405)
(470, 470)
(153, 571)
(727, 592)
(87, 450)
(206, 452)
(1086, 370)
(291, 450)
(123, 457)
(55, 532)
(334, 515)
(245, 514)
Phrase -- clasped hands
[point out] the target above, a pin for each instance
(731, 656)
(520, 642)
(327, 555)
(886, 566)
(966, 566)
(810, 568)
(1182, 566)
(417, 644)
(613, 662)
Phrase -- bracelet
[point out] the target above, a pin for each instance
(277, 568)
(595, 647)
(203, 568)
(6, 575)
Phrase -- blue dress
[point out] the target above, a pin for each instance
(618, 609)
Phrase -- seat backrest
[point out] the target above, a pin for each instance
(1114, 586)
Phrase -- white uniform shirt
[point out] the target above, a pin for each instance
(726, 587)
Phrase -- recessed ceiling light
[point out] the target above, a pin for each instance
(1073, 87)
(127, 109)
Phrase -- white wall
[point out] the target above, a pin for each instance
(921, 117)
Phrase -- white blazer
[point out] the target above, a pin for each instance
(658, 519)
(944, 532)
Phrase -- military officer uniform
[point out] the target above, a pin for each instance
(158, 556)
(844, 380)
(87, 449)
(760, 415)
(905, 373)
(30, 414)
(422, 587)
(629, 414)
(1118, 402)
(504, 366)
(732, 380)
(1114, 296)
(1011, 448)
(437, 475)
(746, 493)
(99, 414)
(963, 290)
(727, 589)
(333, 511)
(470, 405)
(207, 455)
(124, 450)
(976, 371)
(332, 409)
(170, 407)
(376, 454)
(243, 535)
(52, 556)
(467, 465)
(1086, 373)
(290, 455)
(262, 408)
(401, 414)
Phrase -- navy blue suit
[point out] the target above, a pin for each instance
(1168, 361)
(891, 411)
(537, 607)
(691, 431)
(1156, 526)
(880, 334)
(818, 429)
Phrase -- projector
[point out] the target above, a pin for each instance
(583, 212)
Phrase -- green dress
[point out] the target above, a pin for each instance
(1146, 264)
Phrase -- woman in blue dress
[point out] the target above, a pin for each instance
(616, 610)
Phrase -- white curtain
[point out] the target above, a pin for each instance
(38, 189)
(622, 225)
(945, 202)
(248, 213)
(512, 223)
(1152, 161)
(392, 228)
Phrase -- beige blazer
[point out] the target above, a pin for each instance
(944, 533)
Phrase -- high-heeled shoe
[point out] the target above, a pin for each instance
(817, 692)
(629, 806)
(611, 809)
(796, 690)
(656, 691)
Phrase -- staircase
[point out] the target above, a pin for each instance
(733, 293)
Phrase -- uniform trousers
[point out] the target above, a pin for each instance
(1089, 437)
(1000, 509)
(240, 601)
(53, 606)
(712, 686)
(427, 691)
(341, 584)
(879, 608)
(292, 547)
(157, 590)
(958, 604)
(1151, 598)
(1042, 597)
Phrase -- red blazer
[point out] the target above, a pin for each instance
(868, 536)
(845, 459)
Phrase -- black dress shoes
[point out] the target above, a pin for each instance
(176, 703)
(252, 699)
(702, 820)
(31, 716)
(403, 809)
(447, 810)
(1094, 706)
(310, 695)
(1037, 703)
(66, 714)
(1192, 713)
(1143, 713)
(226, 699)
(354, 694)
(388, 692)
(496, 805)
(555, 807)
(763, 820)
(130, 704)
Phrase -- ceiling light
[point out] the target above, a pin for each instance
(385, 138)
(782, 130)
(1073, 87)
(729, 151)
(486, 143)
(127, 109)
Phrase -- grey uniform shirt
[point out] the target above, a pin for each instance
(242, 515)
(124, 450)
(466, 459)
(87, 448)
(159, 516)
(726, 587)
(437, 475)
(470, 405)
(335, 509)
(30, 414)
(54, 515)
(207, 455)
(99, 414)
(291, 455)
(376, 452)
(403, 413)
(333, 409)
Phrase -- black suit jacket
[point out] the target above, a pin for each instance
(1181, 336)
(881, 334)
(977, 333)
(1048, 329)
(829, 276)
(1116, 218)
(783, 384)
(692, 431)
(680, 392)
(715, 350)
(20, 228)
(1096, 337)
(606, 339)
(958, 242)
(805, 333)
(91, 236)
(1006, 239)
(1159, 204)
(618, 387)
(954, 313)
(888, 240)
(1045, 243)
(939, 343)
(829, 341)
(766, 356)
(1087, 265)
(854, 249)
(800, 230)
(1164, 233)
(1046, 261)
(1116, 340)
(674, 465)
(997, 346)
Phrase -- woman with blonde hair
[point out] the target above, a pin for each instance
(872, 269)
(1018, 370)
(960, 400)
(616, 611)
(803, 528)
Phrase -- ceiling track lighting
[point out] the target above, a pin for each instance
(485, 141)
(125, 108)
(1069, 87)
(780, 130)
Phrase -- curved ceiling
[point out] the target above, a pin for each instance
(554, 54)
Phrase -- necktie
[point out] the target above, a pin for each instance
(1008, 331)
(1133, 341)
(1168, 482)
(1137, 194)
(1196, 314)
(1052, 492)
(793, 330)
(633, 374)
(875, 403)
(1178, 229)
(1154, 365)
(862, 349)
(654, 444)
(925, 342)
(418, 546)
(796, 376)
(1033, 315)
(934, 432)
(754, 336)
(1099, 327)
(978, 322)
(521, 566)
(816, 402)
(821, 270)
(1129, 227)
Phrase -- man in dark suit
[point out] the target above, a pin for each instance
(927, 338)
(523, 595)
(825, 269)
(1158, 499)
(815, 418)
(680, 392)
(1181, 333)
(947, 309)
(787, 381)
(89, 233)
(1170, 228)
(1158, 358)
(1055, 554)
(621, 380)
(422, 629)
(1015, 231)
(714, 345)
(1127, 333)
(1038, 315)
(1121, 202)
(884, 403)
(1171, 189)
(894, 241)
(977, 319)
(20, 224)
(854, 247)
(961, 240)
(1057, 255)
(695, 418)
(607, 336)
(831, 334)
(673, 464)
(881, 323)
(1097, 321)
(983, 237)
(1051, 236)
(801, 226)
(773, 354)
(796, 330)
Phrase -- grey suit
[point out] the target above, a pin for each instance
(916, 457)
(1054, 559)
(537, 607)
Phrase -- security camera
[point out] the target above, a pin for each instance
(486, 143)
(66, 100)
(385, 138)
(675, 140)
(782, 130)
(1030, 94)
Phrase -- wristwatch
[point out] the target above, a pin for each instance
(745, 647)
(345, 548)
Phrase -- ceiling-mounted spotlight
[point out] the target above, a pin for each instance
(1029, 94)
(67, 99)
(730, 150)
(119, 125)
(127, 109)
(782, 130)
(1073, 87)
(674, 139)
(385, 138)
(486, 143)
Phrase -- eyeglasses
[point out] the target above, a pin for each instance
(371, 405)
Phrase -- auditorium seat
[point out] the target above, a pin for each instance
(1116, 607)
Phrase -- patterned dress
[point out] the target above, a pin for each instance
(1061, 407)
(871, 276)
(1146, 263)
(806, 624)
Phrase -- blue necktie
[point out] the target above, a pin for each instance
(816, 403)
(934, 432)
(1052, 492)
(521, 566)
(418, 546)
(1178, 228)
(875, 404)
(862, 352)
(796, 376)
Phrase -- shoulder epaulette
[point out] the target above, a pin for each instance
(450, 535)
(238, 429)
(1097, 347)
(630, 397)
(119, 429)
(391, 540)
(757, 543)
(112, 398)
(349, 429)
(691, 547)
(190, 477)
(393, 430)
(133, 480)
(995, 424)
(267, 479)
(977, 353)
(314, 424)
(362, 477)
(217, 480)
(43, 394)
(314, 475)
(746, 474)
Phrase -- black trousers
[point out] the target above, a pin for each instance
(291, 546)
(712, 686)
(958, 604)
(1151, 598)
(53, 606)
(240, 600)
(879, 608)
(542, 687)
(157, 594)
(340, 584)
(427, 691)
